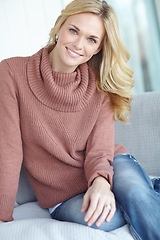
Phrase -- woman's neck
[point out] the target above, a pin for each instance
(56, 65)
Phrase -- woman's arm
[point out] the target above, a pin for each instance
(100, 146)
(98, 169)
(10, 142)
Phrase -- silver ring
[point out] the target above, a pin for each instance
(109, 207)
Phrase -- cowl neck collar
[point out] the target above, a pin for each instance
(66, 92)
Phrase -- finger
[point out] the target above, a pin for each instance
(98, 211)
(91, 210)
(111, 213)
(85, 203)
(103, 216)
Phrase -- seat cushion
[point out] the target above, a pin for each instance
(32, 223)
(25, 192)
(30, 210)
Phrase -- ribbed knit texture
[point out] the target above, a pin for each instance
(67, 92)
(58, 124)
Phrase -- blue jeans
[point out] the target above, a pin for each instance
(138, 204)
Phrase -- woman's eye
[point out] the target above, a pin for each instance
(92, 40)
(73, 31)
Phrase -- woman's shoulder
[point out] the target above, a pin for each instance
(13, 69)
(14, 66)
(14, 63)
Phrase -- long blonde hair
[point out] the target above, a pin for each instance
(114, 77)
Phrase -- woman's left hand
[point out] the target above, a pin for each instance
(95, 202)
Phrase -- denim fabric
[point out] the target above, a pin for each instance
(70, 211)
(138, 204)
(139, 201)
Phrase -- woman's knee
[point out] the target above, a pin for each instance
(123, 162)
(134, 195)
(128, 172)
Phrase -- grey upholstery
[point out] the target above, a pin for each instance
(142, 136)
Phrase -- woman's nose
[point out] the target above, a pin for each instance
(78, 43)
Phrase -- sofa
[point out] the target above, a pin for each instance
(141, 138)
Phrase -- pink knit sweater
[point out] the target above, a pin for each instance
(58, 124)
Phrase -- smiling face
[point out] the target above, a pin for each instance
(79, 39)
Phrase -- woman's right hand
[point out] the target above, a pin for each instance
(1, 221)
(95, 200)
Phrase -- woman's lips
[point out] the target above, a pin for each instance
(73, 53)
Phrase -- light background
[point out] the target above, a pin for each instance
(25, 27)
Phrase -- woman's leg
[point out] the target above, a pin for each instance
(70, 211)
(134, 192)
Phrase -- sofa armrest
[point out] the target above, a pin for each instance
(141, 136)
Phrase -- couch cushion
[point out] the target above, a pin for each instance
(32, 222)
(30, 210)
(49, 229)
(142, 136)
(25, 192)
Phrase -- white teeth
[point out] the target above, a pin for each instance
(75, 54)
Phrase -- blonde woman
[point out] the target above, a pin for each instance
(59, 106)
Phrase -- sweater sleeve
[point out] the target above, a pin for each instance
(10, 142)
(100, 146)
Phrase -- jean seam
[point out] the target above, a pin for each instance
(133, 232)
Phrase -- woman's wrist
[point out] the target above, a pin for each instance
(101, 180)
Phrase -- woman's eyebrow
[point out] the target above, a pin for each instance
(92, 36)
(75, 27)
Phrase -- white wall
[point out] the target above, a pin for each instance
(25, 25)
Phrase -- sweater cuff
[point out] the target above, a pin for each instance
(6, 209)
(108, 176)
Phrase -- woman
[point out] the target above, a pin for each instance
(58, 109)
